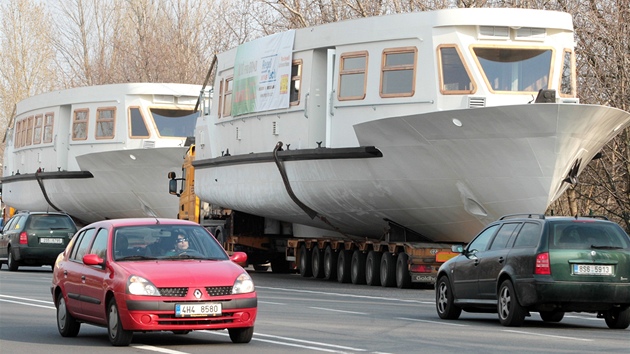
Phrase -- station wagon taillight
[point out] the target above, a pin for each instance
(542, 264)
(23, 238)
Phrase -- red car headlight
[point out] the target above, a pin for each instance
(139, 286)
(243, 284)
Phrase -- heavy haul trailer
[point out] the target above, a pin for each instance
(386, 263)
(400, 259)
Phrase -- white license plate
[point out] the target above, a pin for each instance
(592, 269)
(198, 310)
(56, 241)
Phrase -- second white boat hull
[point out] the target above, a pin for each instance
(123, 184)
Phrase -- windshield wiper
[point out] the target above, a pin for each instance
(606, 247)
(134, 258)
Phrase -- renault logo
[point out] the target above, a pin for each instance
(197, 293)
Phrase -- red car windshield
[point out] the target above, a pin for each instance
(165, 242)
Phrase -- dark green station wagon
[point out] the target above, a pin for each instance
(536, 263)
(35, 238)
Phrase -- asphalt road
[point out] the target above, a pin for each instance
(308, 315)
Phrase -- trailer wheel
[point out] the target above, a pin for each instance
(343, 266)
(330, 263)
(318, 262)
(357, 268)
(305, 262)
(403, 278)
(373, 268)
(388, 270)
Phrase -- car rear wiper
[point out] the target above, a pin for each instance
(606, 247)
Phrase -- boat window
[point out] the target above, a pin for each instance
(514, 69)
(398, 75)
(49, 119)
(80, 124)
(226, 97)
(16, 141)
(352, 76)
(19, 133)
(138, 125)
(174, 122)
(29, 130)
(296, 82)
(567, 81)
(22, 133)
(37, 129)
(105, 122)
(454, 75)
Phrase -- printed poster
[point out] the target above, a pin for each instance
(262, 74)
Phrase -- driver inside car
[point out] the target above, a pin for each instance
(180, 245)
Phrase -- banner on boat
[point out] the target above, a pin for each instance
(262, 74)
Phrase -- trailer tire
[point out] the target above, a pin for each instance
(403, 278)
(343, 266)
(330, 263)
(388, 270)
(318, 262)
(373, 268)
(305, 262)
(357, 268)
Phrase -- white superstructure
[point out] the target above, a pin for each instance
(429, 121)
(99, 152)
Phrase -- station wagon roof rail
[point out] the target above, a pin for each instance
(530, 216)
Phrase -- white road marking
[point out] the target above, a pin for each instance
(310, 342)
(157, 349)
(342, 295)
(546, 335)
(436, 322)
(3, 298)
(333, 310)
(311, 345)
(584, 318)
(270, 303)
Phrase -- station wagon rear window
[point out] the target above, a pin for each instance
(571, 235)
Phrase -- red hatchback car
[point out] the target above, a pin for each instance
(145, 275)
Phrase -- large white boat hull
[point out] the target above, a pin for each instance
(442, 174)
(123, 184)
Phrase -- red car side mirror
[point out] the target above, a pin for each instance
(92, 259)
(239, 258)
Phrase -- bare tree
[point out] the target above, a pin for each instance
(85, 47)
(27, 64)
